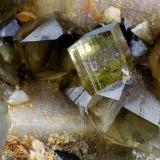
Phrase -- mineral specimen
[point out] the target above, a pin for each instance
(141, 100)
(8, 73)
(100, 58)
(154, 60)
(25, 16)
(50, 30)
(144, 32)
(36, 73)
(138, 48)
(18, 97)
(5, 123)
(25, 148)
(6, 52)
(103, 113)
(112, 14)
(10, 29)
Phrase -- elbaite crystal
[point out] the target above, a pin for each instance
(100, 57)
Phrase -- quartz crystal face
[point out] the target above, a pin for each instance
(100, 57)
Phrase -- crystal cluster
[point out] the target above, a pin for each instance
(83, 72)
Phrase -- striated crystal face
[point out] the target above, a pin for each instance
(100, 57)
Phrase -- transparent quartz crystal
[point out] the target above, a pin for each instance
(100, 57)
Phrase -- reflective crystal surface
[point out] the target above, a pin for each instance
(144, 32)
(10, 29)
(138, 48)
(132, 131)
(50, 30)
(103, 113)
(100, 58)
(79, 96)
